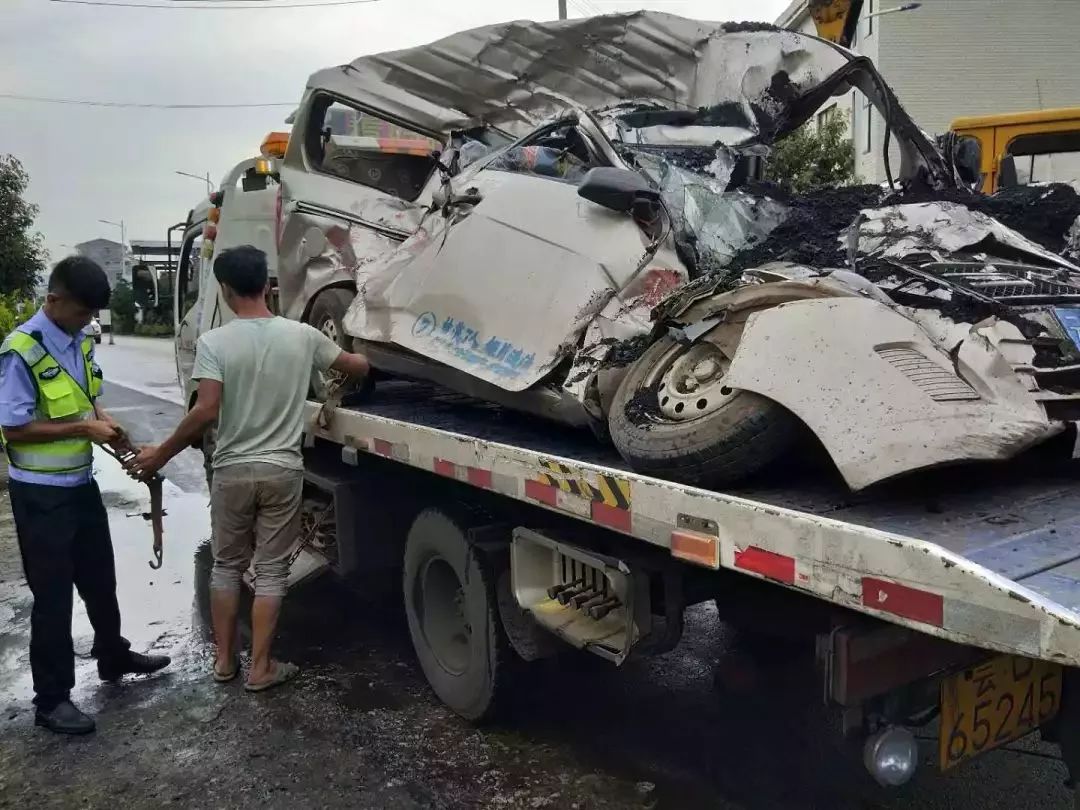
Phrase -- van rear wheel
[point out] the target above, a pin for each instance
(327, 314)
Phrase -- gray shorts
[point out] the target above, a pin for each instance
(254, 515)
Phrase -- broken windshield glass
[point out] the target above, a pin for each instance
(712, 220)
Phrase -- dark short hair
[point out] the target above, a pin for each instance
(82, 279)
(243, 269)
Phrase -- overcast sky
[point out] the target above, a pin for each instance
(89, 163)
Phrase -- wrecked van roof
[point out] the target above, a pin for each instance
(519, 73)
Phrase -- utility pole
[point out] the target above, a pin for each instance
(562, 9)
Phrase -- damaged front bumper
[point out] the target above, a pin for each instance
(888, 392)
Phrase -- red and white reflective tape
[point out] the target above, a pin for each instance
(395, 450)
(942, 606)
(477, 476)
(904, 601)
(610, 517)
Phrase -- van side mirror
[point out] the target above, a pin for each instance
(1007, 176)
(616, 189)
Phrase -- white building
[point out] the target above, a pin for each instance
(108, 254)
(951, 58)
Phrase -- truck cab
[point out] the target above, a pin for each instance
(1023, 148)
(240, 212)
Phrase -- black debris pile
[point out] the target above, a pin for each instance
(643, 407)
(771, 111)
(810, 234)
(781, 100)
(625, 352)
(748, 27)
(1043, 214)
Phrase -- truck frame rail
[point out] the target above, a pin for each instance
(943, 559)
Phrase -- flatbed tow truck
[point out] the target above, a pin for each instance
(955, 596)
(951, 596)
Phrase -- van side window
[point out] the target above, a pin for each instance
(363, 148)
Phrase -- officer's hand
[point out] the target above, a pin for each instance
(100, 432)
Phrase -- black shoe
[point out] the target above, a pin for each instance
(131, 662)
(64, 718)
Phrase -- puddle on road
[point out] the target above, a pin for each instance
(156, 606)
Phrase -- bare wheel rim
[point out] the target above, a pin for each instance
(329, 328)
(689, 382)
(324, 380)
(439, 601)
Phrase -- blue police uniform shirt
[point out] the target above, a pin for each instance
(18, 394)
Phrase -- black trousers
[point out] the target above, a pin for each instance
(64, 540)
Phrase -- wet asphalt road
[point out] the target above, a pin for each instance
(361, 729)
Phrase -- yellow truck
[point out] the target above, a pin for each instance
(1041, 146)
(988, 151)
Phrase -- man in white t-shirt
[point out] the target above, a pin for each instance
(253, 375)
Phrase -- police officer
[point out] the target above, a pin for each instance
(48, 386)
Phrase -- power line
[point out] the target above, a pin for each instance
(89, 103)
(218, 5)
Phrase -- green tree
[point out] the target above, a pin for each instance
(122, 304)
(22, 251)
(14, 311)
(814, 157)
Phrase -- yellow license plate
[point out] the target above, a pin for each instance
(993, 703)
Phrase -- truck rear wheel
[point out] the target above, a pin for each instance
(453, 615)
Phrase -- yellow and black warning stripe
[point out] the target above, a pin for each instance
(606, 489)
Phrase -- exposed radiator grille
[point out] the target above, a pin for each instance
(937, 383)
(1007, 283)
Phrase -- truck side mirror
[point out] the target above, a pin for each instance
(1007, 176)
(616, 189)
(967, 158)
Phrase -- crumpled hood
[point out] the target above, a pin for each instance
(943, 228)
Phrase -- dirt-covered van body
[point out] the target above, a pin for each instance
(566, 228)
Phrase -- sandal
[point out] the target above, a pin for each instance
(283, 673)
(226, 677)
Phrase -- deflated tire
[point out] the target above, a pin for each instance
(673, 417)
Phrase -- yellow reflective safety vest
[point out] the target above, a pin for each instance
(59, 397)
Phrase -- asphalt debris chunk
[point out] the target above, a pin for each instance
(643, 407)
(625, 352)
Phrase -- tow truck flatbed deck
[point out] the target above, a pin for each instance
(987, 556)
